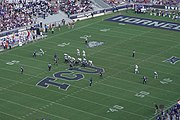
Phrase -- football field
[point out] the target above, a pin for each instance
(65, 94)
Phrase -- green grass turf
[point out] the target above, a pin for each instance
(21, 99)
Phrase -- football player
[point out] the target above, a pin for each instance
(136, 69)
(22, 70)
(155, 75)
(144, 79)
(34, 53)
(84, 54)
(78, 53)
(133, 53)
(65, 57)
(90, 82)
(49, 66)
(41, 52)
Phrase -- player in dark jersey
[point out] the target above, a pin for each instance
(133, 53)
(144, 79)
(90, 82)
(22, 70)
(49, 66)
(34, 53)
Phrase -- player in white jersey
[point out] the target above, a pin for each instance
(83, 53)
(155, 75)
(136, 69)
(41, 52)
(78, 53)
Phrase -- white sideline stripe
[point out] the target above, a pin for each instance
(5, 100)
(12, 115)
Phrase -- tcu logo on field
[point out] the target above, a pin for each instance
(172, 60)
(68, 75)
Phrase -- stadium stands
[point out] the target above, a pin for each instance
(171, 114)
(159, 2)
(114, 2)
(75, 6)
(13, 15)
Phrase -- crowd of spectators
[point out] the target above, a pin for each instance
(166, 2)
(18, 14)
(159, 2)
(71, 7)
(114, 2)
(171, 114)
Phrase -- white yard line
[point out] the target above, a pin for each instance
(11, 115)
(72, 95)
(5, 100)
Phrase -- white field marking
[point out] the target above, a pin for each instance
(106, 95)
(115, 36)
(115, 108)
(105, 30)
(63, 44)
(74, 97)
(142, 94)
(77, 28)
(25, 65)
(5, 100)
(143, 85)
(12, 115)
(51, 91)
(137, 59)
(170, 36)
(56, 104)
(133, 92)
(141, 34)
(116, 54)
(12, 62)
(166, 81)
(152, 75)
(85, 36)
(141, 67)
(17, 72)
(134, 35)
(31, 75)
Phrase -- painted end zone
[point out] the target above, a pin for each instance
(145, 22)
